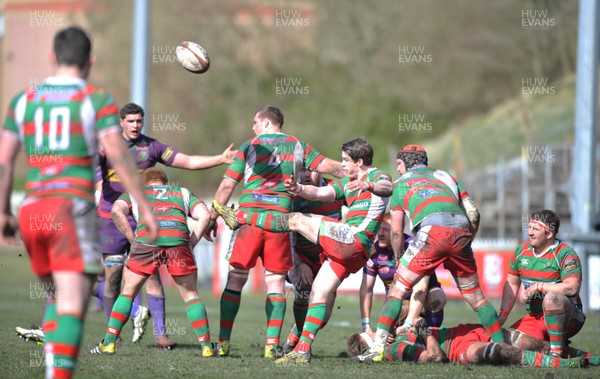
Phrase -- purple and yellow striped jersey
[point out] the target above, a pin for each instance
(559, 262)
(146, 153)
(170, 206)
(264, 162)
(365, 209)
(58, 122)
(423, 191)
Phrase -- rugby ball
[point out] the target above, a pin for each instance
(192, 57)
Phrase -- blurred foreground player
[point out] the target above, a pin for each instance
(58, 123)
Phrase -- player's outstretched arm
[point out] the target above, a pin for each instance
(201, 162)
(122, 161)
(119, 212)
(9, 148)
(307, 191)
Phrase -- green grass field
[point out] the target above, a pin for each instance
(20, 304)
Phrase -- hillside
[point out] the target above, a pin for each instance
(338, 69)
(508, 128)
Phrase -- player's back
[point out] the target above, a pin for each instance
(265, 162)
(57, 122)
(423, 192)
(171, 206)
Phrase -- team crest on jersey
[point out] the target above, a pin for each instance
(339, 232)
(525, 262)
(570, 265)
(142, 154)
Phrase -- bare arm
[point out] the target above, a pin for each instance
(366, 299)
(201, 162)
(9, 148)
(307, 191)
(123, 163)
(222, 195)
(472, 213)
(119, 212)
(509, 296)
(417, 301)
(435, 354)
(329, 166)
(382, 188)
(201, 214)
(568, 287)
(397, 234)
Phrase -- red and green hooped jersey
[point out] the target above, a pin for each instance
(423, 191)
(171, 206)
(365, 209)
(323, 208)
(559, 262)
(57, 122)
(264, 162)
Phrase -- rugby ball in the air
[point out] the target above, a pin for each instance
(192, 57)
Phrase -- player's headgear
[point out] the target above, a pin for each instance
(412, 155)
(547, 219)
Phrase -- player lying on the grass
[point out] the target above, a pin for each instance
(383, 263)
(550, 271)
(307, 256)
(345, 244)
(465, 343)
(171, 206)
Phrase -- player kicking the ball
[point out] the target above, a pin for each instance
(345, 245)
(263, 163)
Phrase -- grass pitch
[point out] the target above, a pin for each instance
(22, 303)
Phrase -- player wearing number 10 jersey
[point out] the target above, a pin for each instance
(58, 122)
(263, 163)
